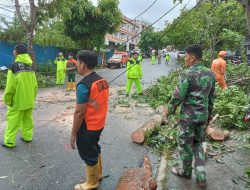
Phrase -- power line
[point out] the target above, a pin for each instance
(6, 10)
(139, 34)
(6, 16)
(178, 21)
(7, 2)
(151, 24)
(7, 5)
(164, 33)
(145, 10)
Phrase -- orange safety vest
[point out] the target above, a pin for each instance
(97, 105)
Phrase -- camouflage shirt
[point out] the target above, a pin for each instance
(195, 93)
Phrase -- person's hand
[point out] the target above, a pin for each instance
(72, 141)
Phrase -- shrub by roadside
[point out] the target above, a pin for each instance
(230, 104)
(45, 76)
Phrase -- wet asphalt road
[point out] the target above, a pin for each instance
(150, 72)
(49, 164)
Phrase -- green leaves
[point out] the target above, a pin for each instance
(205, 25)
(230, 104)
(161, 92)
(3, 77)
(88, 24)
(162, 138)
(231, 39)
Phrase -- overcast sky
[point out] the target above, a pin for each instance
(132, 8)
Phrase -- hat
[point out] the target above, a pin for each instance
(21, 49)
(222, 54)
(60, 53)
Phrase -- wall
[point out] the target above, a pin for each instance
(44, 54)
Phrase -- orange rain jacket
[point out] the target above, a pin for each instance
(219, 69)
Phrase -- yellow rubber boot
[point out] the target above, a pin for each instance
(69, 86)
(74, 86)
(92, 178)
(100, 166)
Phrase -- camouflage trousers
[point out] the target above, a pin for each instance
(191, 136)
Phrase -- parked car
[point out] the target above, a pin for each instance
(119, 59)
(234, 57)
(229, 56)
(181, 54)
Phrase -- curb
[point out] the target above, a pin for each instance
(162, 174)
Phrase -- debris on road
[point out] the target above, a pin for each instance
(216, 134)
(138, 178)
(139, 135)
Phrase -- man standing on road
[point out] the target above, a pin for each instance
(219, 69)
(140, 57)
(153, 57)
(159, 57)
(61, 63)
(167, 59)
(89, 118)
(134, 74)
(71, 71)
(19, 96)
(195, 94)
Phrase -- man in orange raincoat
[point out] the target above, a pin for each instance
(219, 69)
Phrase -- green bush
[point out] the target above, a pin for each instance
(161, 92)
(3, 77)
(42, 80)
(237, 73)
(46, 69)
(162, 138)
(231, 105)
(45, 81)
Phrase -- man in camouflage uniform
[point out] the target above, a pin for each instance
(195, 94)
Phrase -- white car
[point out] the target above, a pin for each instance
(181, 54)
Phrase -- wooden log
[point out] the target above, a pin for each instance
(138, 178)
(216, 134)
(219, 135)
(138, 136)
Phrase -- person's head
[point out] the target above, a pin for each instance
(20, 49)
(135, 55)
(86, 61)
(222, 54)
(71, 56)
(60, 55)
(193, 54)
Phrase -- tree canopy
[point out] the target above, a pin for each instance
(88, 24)
(206, 25)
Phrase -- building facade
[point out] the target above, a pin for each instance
(127, 37)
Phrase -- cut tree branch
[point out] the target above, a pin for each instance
(239, 81)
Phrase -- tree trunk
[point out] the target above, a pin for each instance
(29, 25)
(30, 38)
(246, 5)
